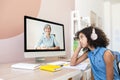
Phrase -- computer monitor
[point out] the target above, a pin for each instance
(43, 38)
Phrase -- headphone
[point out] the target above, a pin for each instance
(94, 36)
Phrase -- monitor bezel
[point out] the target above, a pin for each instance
(42, 20)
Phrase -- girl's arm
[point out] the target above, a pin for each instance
(92, 77)
(75, 60)
(109, 59)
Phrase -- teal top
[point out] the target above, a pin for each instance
(98, 64)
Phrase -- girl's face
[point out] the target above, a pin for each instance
(83, 40)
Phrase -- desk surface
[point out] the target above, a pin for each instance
(8, 73)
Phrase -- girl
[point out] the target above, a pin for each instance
(103, 63)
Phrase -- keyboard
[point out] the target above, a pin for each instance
(29, 66)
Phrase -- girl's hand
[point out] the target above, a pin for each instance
(79, 45)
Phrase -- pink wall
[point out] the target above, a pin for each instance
(12, 14)
(11, 50)
(12, 25)
(11, 46)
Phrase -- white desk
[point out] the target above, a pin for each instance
(7, 73)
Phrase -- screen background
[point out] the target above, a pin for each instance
(36, 28)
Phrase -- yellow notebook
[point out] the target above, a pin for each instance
(51, 68)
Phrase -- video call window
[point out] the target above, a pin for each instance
(43, 35)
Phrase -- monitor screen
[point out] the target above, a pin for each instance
(43, 38)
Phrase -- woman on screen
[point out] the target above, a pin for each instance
(47, 41)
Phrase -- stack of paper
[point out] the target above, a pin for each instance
(81, 66)
(60, 63)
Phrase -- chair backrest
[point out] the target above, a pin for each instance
(117, 57)
(117, 54)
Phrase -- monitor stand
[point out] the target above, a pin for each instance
(48, 59)
(40, 59)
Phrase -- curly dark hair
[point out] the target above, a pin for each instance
(101, 41)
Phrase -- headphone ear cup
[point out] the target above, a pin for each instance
(94, 36)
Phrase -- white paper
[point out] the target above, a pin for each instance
(81, 66)
(59, 63)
